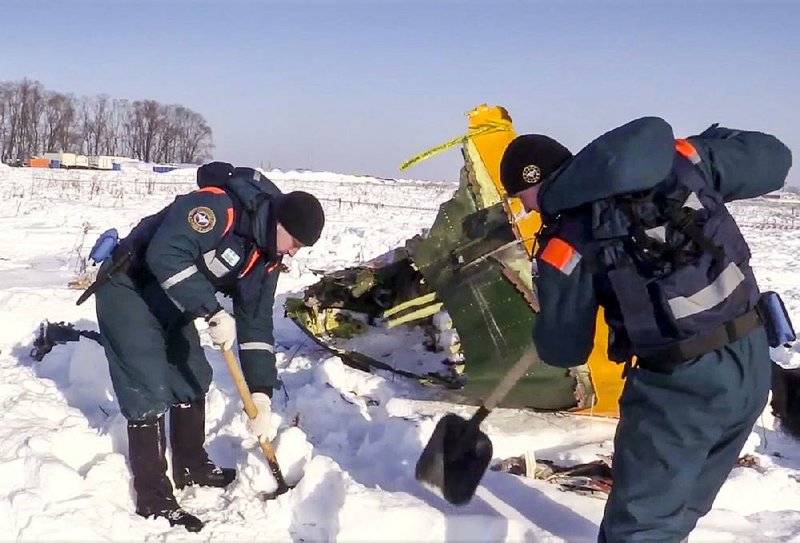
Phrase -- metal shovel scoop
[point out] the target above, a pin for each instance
(458, 452)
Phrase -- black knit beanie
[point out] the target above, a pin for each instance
(302, 216)
(529, 160)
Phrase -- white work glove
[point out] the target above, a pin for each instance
(222, 330)
(259, 426)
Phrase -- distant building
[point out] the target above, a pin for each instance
(786, 193)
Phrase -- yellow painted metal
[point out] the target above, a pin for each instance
(420, 313)
(489, 148)
(485, 151)
(606, 376)
(421, 300)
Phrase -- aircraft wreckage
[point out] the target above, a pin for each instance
(453, 308)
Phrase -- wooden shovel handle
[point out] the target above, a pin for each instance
(249, 406)
(516, 373)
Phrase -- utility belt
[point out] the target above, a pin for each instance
(769, 312)
(120, 262)
(667, 359)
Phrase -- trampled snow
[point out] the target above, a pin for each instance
(350, 438)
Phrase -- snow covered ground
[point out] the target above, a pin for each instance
(354, 436)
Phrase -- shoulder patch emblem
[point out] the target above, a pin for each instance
(561, 255)
(202, 219)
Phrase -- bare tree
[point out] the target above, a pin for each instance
(22, 119)
(14, 111)
(58, 120)
(144, 122)
(95, 112)
(32, 102)
(5, 92)
(101, 113)
(195, 137)
(33, 120)
(170, 134)
(115, 141)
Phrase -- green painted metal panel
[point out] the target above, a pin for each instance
(492, 317)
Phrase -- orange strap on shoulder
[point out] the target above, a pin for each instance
(212, 190)
(687, 150)
(230, 216)
(561, 255)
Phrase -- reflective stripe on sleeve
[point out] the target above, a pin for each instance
(256, 346)
(178, 277)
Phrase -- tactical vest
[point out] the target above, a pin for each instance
(227, 263)
(234, 257)
(677, 267)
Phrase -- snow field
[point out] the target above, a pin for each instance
(354, 437)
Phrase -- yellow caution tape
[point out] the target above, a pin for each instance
(474, 131)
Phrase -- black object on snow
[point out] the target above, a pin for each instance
(58, 333)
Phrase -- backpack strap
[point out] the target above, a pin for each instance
(644, 247)
(683, 217)
(684, 221)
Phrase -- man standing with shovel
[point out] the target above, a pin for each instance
(636, 223)
(229, 236)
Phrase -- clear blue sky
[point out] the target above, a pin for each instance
(358, 87)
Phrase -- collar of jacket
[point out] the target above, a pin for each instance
(264, 227)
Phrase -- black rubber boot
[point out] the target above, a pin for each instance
(154, 498)
(190, 462)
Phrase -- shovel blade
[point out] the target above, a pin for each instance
(266, 496)
(455, 459)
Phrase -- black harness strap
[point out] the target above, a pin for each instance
(667, 359)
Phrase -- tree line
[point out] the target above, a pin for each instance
(34, 120)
